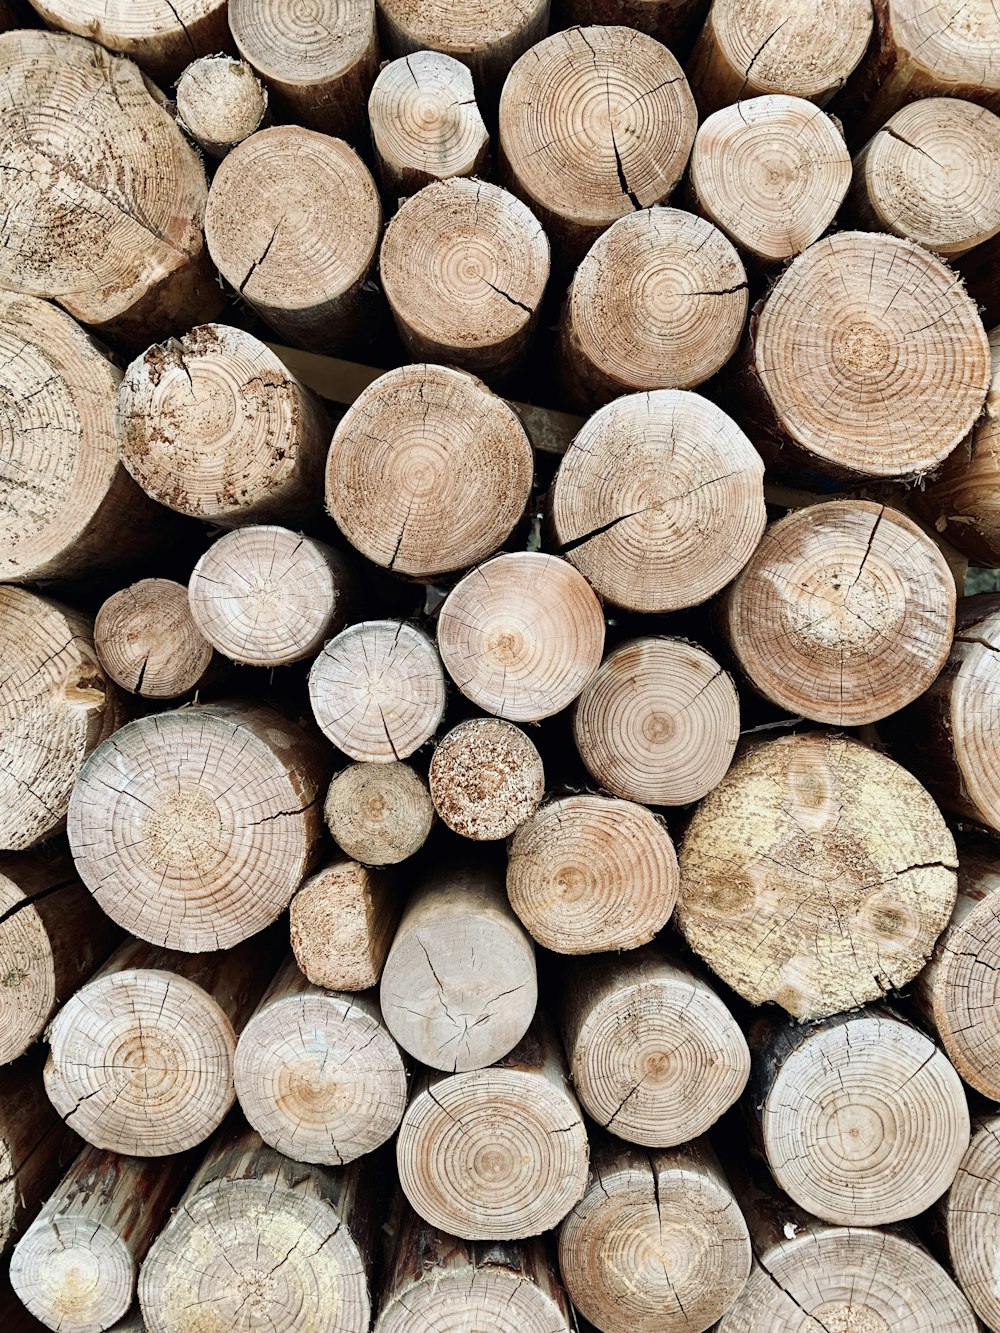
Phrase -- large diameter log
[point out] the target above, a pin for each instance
(862, 1118)
(141, 1058)
(659, 722)
(459, 988)
(76, 1266)
(745, 50)
(498, 1153)
(318, 59)
(464, 266)
(56, 707)
(293, 222)
(425, 123)
(317, 1074)
(590, 874)
(35, 1145)
(657, 1244)
(194, 828)
(428, 471)
(379, 814)
(121, 249)
(659, 500)
(971, 1215)
(771, 172)
(659, 302)
(671, 22)
(844, 613)
(594, 123)
(52, 937)
(654, 1054)
(343, 921)
(818, 874)
(260, 1241)
(486, 778)
(867, 359)
(220, 102)
(147, 641)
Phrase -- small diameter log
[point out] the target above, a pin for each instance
(971, 1215)
(594, 122)
(439, 1282)
(771, 172)
(659, 500)
(52, 937)
(377, 690)
(147, 641)
(660, 302)
(654, 1054)
(862, 1119)
(428, 471)
(343, 921)
(818, 874)
(671, 22)
(657, 1244)
(317, 1074)
(425, 123)
(486, 778)
(56, 706)
(261, 1241)
(588, 874)
(745, 50)
(844, 613)
(867, 359)
(659, 722)
(464, 266)
(498, 1153)
(379, 814)
(220, 102)
(193, 828)
(319, 60)
(213, 425)
(76, 1266)
(459, 988)
(293, 223)
(122, 250)
(35, 1145)
(141, 1058)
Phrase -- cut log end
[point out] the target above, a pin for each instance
(379, 814)
(148, 642)
(220, 102)
(972, 1222)
(486, 778)
(342, 923)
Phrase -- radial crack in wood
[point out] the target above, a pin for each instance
(148, 642)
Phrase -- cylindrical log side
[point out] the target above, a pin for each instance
(220, 102)
(970, 1212)
(672, 22)
(486, 778)
(147, 641)
(379, 814)
(343, 920)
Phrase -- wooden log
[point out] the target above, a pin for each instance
(818, 874)
(746, 50)
(193, 828)
(654, 1054)
(248, 1212)
(445, 1283)
(464, 266)
(377, 690)
(428, 471)
(76, 1266)
(343, 920)
(425, 123)
(659, 722)
(52, 937)
(214, 426)
(220, 102)
(844, 613)
(672, 22)
(866, 360)
(379, 814)
(459, 988)
(771, 172)
(121, 250)
(486, 778)
(148, 642)
(594, 122)
(589, 874)
(317, 1074)
(56, 707)
(498, 1153)
(971, 1220)
(981, 273)
(141, 1057)
(659, 302)
(319, 60)
(657, 1244)
(659, 500)
(293, 222)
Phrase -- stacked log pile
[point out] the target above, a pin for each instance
(499, 741)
